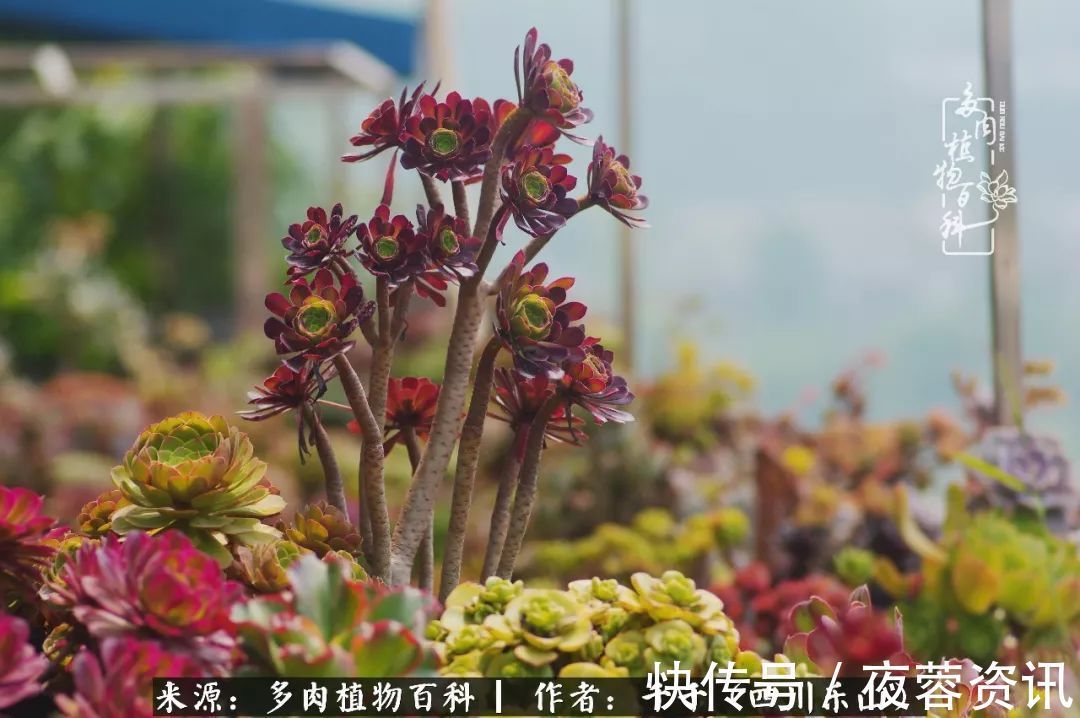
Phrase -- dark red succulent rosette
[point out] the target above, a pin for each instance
(590, 383)
(315, 321)
(535, 186)
(533, 320)
(450, 248)
(448, 140)
(410, 404)
(289, 389)
(518, 399)
(613, 187)
(319, 241)
(391, 248)
(383, 128)
(545, 87)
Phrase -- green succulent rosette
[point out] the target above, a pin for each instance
(673, 596)
(263, 568)
(543, 623)
(199, 475)
(674, 641)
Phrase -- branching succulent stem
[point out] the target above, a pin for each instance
(465, 475)
(528, 480)
(335, 489)
(500, 514)
(419, 504)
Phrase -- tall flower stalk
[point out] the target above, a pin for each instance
(508, 148)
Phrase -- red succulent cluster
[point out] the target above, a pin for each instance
(289, 389)
(448, 140)
(613, 187)
(158, 587)
(761, 609)
(20, 665)
(24, 548)
(590, 382)
(545, 87)
(410, 404)
(319, 241)
(535, 186)
(533, 319)
(854, 635)
(518, 400)
(315, 321)
(383, 128)
(120, 683)
(450, 248)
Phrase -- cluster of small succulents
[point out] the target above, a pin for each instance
(593, 628)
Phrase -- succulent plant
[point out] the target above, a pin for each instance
(545, 86)
(410, 404)
(674, 596)
(853, 635)
(383, 128)
(535, 188)
(590, 382)
(321, 529)
(119, 683)
(448, 140)
(315, 321)
(612, 187)
(24, 548)
(675, 640)
(199, 475)
(533, 319)
(546, 622)
(289, 389)
(263, 568)
(95, 517)
(149, 586)
(319, 241)
(391, 248)
(517, 400)
(20, 665)
(451, 250)
(329, 625)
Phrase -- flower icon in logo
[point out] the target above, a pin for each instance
(996, 191)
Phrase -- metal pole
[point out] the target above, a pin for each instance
(1005, 261)
(627, 269)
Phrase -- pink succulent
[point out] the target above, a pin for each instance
(158, 586)
(20, 664)
(23, 548)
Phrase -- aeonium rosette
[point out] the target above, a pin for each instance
(612, 187)
(24, 548)
(120, 682)
(545, 86)
(448, 140)
(197, 474)
(391, 248)
(518, 399)
(289, 389)
(451, 249)
(533, 319)
(535, 186)
(383, 128)
(319, 241)
(316, 320)
(590, 382)
(157, 587)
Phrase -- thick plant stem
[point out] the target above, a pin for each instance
(461, 202)
(425, 573)
(335, 489)
(371, 467)
(500, 514)
(431, 190)
(465, 475)
(419, 505)
(525, 496)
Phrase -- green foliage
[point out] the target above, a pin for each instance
(596, 627)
